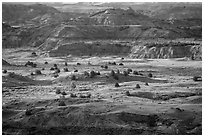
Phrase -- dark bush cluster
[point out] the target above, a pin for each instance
(65, 63)
(73, 95)
(76, 70)
(28, 112)
(29, 63)
(146, 84)
(85, 96)
(92, 74)
(55, 75)
(46, 62)
(121, 64)
(104, 66)
(78, 63)
(112, 63)
(129, 70)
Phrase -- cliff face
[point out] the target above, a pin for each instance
(168, 50)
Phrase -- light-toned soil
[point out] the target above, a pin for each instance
(171, 103)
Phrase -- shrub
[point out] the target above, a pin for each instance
(116, 77)
(46, 62)
(129, 70)
(113, 63)
(135, 72)
(12, 74)
(73, 77)
(31, 73)
(65, 63)
(38, 72)
(89, 95)
(127, 93)
(106, 67)
(58, 91)
(33, 53)
(112, 73)
(98, 73)
(121, 64)
(55, 65)
(64, 93)
(125, 73)
(152, 119)
(92, 74)
(78, 63)
(146, 84)
(34, 65)
(122, 58)
(66, 70)
(28, 112)
(4, 71)
(43, 68)
(55, 75)
(73, 85)
(150, 75)
(73, 95)
(117, 85)
(57, 71)
(61, 103)
(52, 68)
(137, 86)
(76, 70)
(86, 73)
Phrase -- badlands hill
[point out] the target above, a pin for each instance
(50, 29)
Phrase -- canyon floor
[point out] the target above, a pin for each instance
(171, 102)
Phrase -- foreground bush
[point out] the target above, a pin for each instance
(150, 75)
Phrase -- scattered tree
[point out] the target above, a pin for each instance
(121, 64)
(117, 85)
(46, 62)
(52, 68)
(78, 63)
(137, 86)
